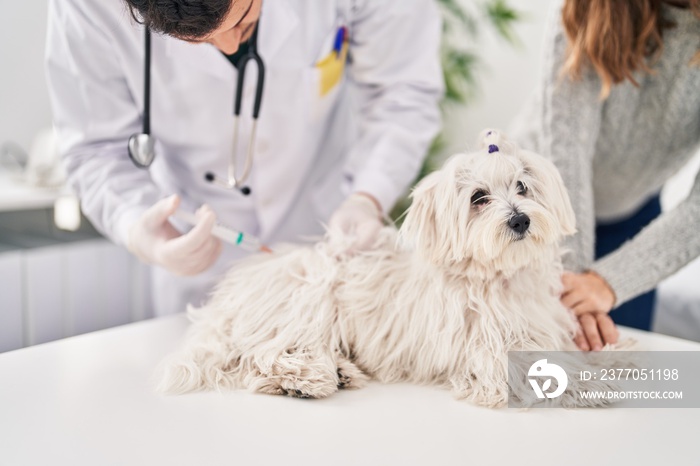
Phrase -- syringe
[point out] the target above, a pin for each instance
(238, 238)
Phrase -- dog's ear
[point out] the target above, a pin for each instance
(549, 189)
(420, 228)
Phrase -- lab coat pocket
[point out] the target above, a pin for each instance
(331, 69)
(329, 74)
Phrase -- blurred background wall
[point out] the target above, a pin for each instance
(24, 100)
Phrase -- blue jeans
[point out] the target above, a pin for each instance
(638, 312)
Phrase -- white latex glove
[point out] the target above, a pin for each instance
(155, 241)
(359, 218)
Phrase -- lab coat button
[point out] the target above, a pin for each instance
(263, 146)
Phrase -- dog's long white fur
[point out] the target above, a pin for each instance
(441, 301)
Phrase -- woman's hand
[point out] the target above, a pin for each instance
(590, 297)
(586, 292)
(596, 330)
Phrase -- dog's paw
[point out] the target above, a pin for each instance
(275, 387)
(350, 376)
(319, 386)
(489, 396)
(298, 376)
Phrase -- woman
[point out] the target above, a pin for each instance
(619, 113)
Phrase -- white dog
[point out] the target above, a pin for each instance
(473, 273)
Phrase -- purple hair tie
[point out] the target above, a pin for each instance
(493, 148)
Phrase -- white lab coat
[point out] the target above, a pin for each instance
(369, 133)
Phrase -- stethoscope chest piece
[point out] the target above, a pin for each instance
(142, 150)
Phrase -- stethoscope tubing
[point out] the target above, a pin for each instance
(251, 55)
(242, 64)
(141, 146)
(147, 83)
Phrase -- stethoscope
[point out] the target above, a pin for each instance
(142, 145)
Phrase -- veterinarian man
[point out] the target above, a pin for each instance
(349, 106)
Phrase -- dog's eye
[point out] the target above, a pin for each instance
(522, 189)
(480, 197)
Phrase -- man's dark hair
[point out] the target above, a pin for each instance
(185, 19)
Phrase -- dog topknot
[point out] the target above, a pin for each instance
(495, 141)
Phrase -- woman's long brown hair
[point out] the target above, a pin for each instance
(617, 37)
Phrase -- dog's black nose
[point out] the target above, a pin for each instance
(519, 223)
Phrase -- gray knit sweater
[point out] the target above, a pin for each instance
(616, 154)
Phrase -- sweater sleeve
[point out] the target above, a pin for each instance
(565, 116)
(662, 248)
